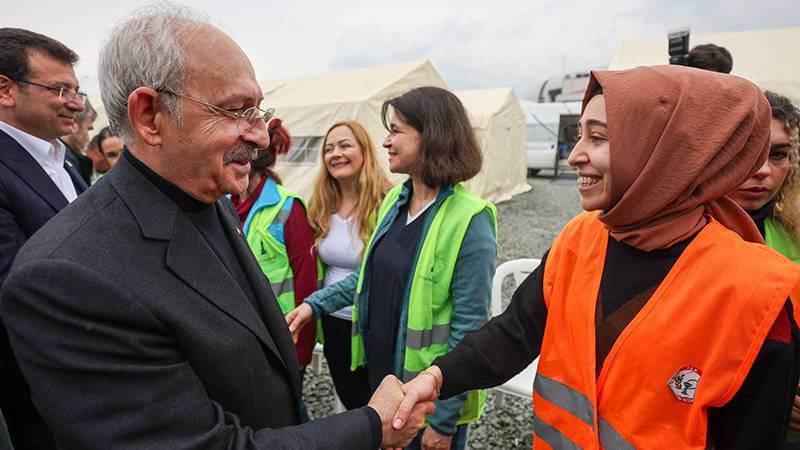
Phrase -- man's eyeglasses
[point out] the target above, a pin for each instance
(64, 93)
(245, 120)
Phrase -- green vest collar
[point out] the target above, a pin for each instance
(444, 192)
(269, 196)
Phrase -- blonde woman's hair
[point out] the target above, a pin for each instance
(372, 186)
(787, 201)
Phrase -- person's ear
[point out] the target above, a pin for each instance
(144, 110)
(7, 96)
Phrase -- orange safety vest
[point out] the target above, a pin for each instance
(689, 348)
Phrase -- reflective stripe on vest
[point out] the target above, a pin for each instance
(610, 439)
(429, 301)
(418, 339)
(285, 286)
(742, 286)
(552, 436)
(566, 398)
(577, 404)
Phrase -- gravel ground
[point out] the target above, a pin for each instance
(527, 225)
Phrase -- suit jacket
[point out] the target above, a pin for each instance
(81, 162)
(28, 199)
(133, 334)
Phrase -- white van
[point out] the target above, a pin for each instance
(543, 123)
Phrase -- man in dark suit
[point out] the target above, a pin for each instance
(77, 142)
(138, 315)
(39, 99)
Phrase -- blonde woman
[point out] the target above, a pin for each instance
(347, 194)
(770, 196)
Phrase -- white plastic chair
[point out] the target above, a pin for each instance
(521, 384)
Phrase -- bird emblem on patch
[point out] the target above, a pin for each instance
(684, 383)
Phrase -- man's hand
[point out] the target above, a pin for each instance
(432, 440)
(385, 402)
(423, 388)
(297, 319)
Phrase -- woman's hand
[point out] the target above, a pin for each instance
(298, 318)
(432, 440)
(424, 387)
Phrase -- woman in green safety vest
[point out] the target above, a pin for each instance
(771, 195)
(425, 279)
(275, 225)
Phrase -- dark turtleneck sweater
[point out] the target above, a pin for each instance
(207, 218)
(757, 416)
(760, 215)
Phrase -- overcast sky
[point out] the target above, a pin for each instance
(474, 44)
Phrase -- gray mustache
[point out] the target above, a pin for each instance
(241, 152)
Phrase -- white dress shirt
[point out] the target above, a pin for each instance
(49, 155)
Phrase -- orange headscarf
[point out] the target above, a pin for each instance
(680, 139)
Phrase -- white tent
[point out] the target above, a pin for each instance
(764, 56)
(499, 124)
(308, 106)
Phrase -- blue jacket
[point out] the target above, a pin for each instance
(471, 293)
(269, 197)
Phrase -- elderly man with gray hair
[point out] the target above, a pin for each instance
(152, 325)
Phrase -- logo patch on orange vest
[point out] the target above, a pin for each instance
(684, 383)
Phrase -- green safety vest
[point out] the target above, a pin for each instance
(429, 302)
(269, 252)
(776, 236)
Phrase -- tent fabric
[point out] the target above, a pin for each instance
(763, 56)
(499, 124)
(309, 105)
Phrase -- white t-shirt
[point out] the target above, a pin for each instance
(340, 251)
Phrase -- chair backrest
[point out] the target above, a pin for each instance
(520, 268)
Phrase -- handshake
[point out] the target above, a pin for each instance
(403, 407)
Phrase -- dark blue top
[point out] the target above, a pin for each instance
(392, 260)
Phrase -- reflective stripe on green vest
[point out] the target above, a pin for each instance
(429, 306)
(271, 253)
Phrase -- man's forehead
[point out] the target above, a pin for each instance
(43, 65)
(214, 62)
(207, 47)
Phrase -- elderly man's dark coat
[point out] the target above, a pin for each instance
(133, 334)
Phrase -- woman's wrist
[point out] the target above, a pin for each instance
(436, 374)
(315, 311)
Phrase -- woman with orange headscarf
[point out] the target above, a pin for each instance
(658, 318)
